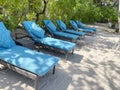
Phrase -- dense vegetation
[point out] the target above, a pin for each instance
(13, 12)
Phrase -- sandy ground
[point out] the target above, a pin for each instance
(95, 65)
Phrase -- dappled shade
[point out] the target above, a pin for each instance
(35, 62)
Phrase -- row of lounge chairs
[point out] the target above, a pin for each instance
(31, 63)
(63, 27)
(79, 27)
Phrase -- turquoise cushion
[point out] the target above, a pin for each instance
(37, 30)
(75, 32)
(28, 28)
(2, 48)
(80, 25)
(66, 35)
(26, 59)
(89, 28)
(27, 25)
(61, 25)
(5, 39)
(73, 24)
(2, 26)
(57, 43)
(51, 27)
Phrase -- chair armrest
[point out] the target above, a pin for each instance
(18, 43)
(20, 35)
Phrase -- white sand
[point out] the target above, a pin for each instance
(93, 66)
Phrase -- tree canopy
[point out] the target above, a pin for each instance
(13, 12)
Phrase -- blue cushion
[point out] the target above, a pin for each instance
(57, 43)
(66, 35)
(37, 30)
(89, 28)
(75, 32)
(28, 27)
(73, 24)
(46, 21)
(50, 26)
(26, 59)
(2, 48)
(61, 25)
(5, 39)
(2, 26)
(80, 25)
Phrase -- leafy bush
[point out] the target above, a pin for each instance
(109, 14)
(85, 10)
(87, 13)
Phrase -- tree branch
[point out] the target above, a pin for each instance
(43, 11)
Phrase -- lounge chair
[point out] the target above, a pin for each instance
(2, 26)
(37, 34)
(81, 25)
(62, 27)
(23, 60)
(53, 30)
(74, 26)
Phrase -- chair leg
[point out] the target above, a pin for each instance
(95, 32)
(54, 70)
(116, 46)
(83, 36)
(38, 47)
(66, 55)
(3, 67)
(72, 51)
(80, 37)
(36, 83)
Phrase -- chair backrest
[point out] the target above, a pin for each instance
(2, 26)
(73, 24)
(27, 25)
(33, 29)
(79, 24)
(6, 40)
(50, 26)
(61, 25)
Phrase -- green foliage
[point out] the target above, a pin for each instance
(86, 12)
(61, 9)
(35, 5)
(13, 12)
(109, 13)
